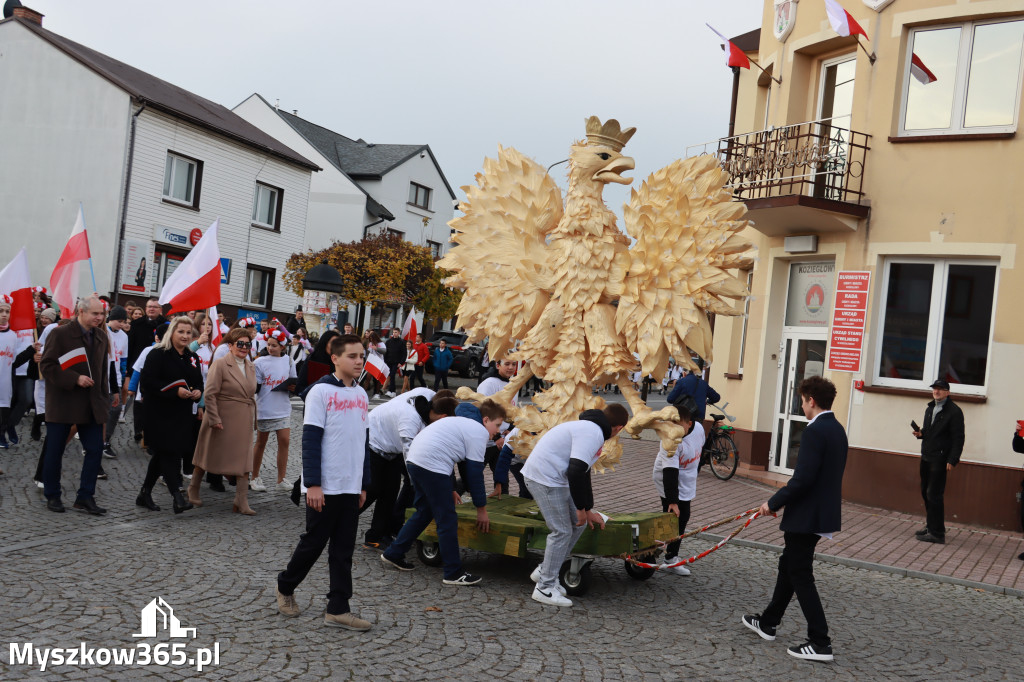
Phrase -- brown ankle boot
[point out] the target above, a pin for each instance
(241, 503)
(193, 489)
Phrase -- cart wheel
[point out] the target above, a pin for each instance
(638, 572)
(574, 585)
(429, 553)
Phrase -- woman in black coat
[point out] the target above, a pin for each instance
(172, 383)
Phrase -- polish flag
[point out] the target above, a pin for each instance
(72, 358)
(921, 72)
(196, 283)
(409, 328)
(218, 333)
(180, 383)
(64, 280)
(14, 282)
(734, 55)
(842, 22)
(376, 368)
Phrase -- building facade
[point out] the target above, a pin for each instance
(882, 180)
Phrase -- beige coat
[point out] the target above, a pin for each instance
(230, 401)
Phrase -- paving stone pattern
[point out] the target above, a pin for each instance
(69, 578)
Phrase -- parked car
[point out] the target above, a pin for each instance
(465, 359)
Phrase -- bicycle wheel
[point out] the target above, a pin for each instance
(724, 457)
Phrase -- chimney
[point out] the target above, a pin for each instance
(28, 15)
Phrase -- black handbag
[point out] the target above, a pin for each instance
(686, 402)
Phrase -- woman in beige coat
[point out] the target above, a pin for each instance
(225, 438)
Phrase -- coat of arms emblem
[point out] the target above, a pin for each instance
(785, 18)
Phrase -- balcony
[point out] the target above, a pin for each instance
(807, 177)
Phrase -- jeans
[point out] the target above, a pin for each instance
(559, 512)
(24, 389)
(112, 416)
(672, 549)
(91, 436)
(433, 503)
(336, 525)
(440, 375)
(796, 576)
(386, 477)
(404, 501)
(933, 489)
(517, 471)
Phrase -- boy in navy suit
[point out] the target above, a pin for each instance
(813, 500)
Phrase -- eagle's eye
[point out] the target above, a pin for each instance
(604, 156)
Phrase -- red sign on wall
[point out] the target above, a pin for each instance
(195, 235)
(849, 316)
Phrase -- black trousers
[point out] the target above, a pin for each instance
(334, 525)
(440, 376)
(137, 417)
(933, 491)
(684, 518)
(405, 499)
(417, 375)
(386, 477)
(393, 369)
(166, 463)
(796, 576)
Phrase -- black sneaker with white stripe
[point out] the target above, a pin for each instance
(463, 579)
(397, 562)
(755, 624)
(811, 652)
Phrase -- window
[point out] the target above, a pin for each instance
(165, 262)
(182, 180)
(963, 79)
(397, 233)
(936, 323)
(419, 195)
(746, 318)
(259, 286)
(266, 206)
(435, 249)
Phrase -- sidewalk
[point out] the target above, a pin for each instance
(871, 538)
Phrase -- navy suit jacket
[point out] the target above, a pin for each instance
(813, 496)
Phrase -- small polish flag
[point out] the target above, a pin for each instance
(842, 21)
(409, 328)
(218, 331)
(180, 383)
(376, 368)
(734, 55)
(195, 284)
(72, 358)
(921, 72)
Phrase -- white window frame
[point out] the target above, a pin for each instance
(960, 90)
(940, 278)
(440, 249)
(169, 181)
(746, 319)
(414, 190)
(275, 194)
(265, 288)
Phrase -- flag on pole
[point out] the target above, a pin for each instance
(842, 21)
(14, 282)
(920, 71)
(409, 328)
(196, 283)
(73, 357)
(734, 56)
(218, 333)
(64, 280)
(376, 368)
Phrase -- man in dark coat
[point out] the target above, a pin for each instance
(394, 355)
(79, 378)
(813, 502)
(701, 392)
(942, 443)
(297, 322)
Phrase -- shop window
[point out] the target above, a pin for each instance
(962, 79)
(936, 323)
(165, 262)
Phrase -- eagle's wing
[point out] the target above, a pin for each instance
(501, 257)
(686, 227)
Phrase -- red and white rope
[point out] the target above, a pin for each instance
(750, 515)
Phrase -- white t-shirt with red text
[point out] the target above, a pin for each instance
(271, 372)
(342, 412)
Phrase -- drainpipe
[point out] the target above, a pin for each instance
(124, 201)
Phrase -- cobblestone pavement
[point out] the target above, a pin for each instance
(71, 578)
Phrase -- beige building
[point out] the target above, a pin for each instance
(901, 163)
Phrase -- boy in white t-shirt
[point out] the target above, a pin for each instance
(334, 477)
(557, 474)
(432, 458)
(675, 477)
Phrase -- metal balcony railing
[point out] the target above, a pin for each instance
(816, 158)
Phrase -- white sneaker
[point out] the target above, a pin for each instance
(376, 396)
(553, 598)
(678, 570)
(285, 485)
(257, 485)
(535, 577)
(390, 394)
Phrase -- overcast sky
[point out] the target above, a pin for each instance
(460, 76)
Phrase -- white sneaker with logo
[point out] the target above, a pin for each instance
(678, 570)
(284, 485)
(257, 485)
(552, 598)
(535, 577)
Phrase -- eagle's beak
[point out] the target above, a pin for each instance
(612, 172)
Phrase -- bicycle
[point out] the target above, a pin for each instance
(720, 450)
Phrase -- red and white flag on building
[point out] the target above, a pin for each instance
(842, 21)
(734, 56)
(920, 71)
(73, 357)
(409, 328)
(218, 333)
(64, 280)
(15, 283)
(195, 285)
(376, 368)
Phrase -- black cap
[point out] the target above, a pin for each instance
(117, 314)
(940, 383)
(298, 308)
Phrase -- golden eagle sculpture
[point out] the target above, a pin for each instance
(560, 287)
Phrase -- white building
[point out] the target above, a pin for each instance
(365, 187)
(152, 164)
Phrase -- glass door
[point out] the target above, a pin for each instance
(835, 111)
(802, 356)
